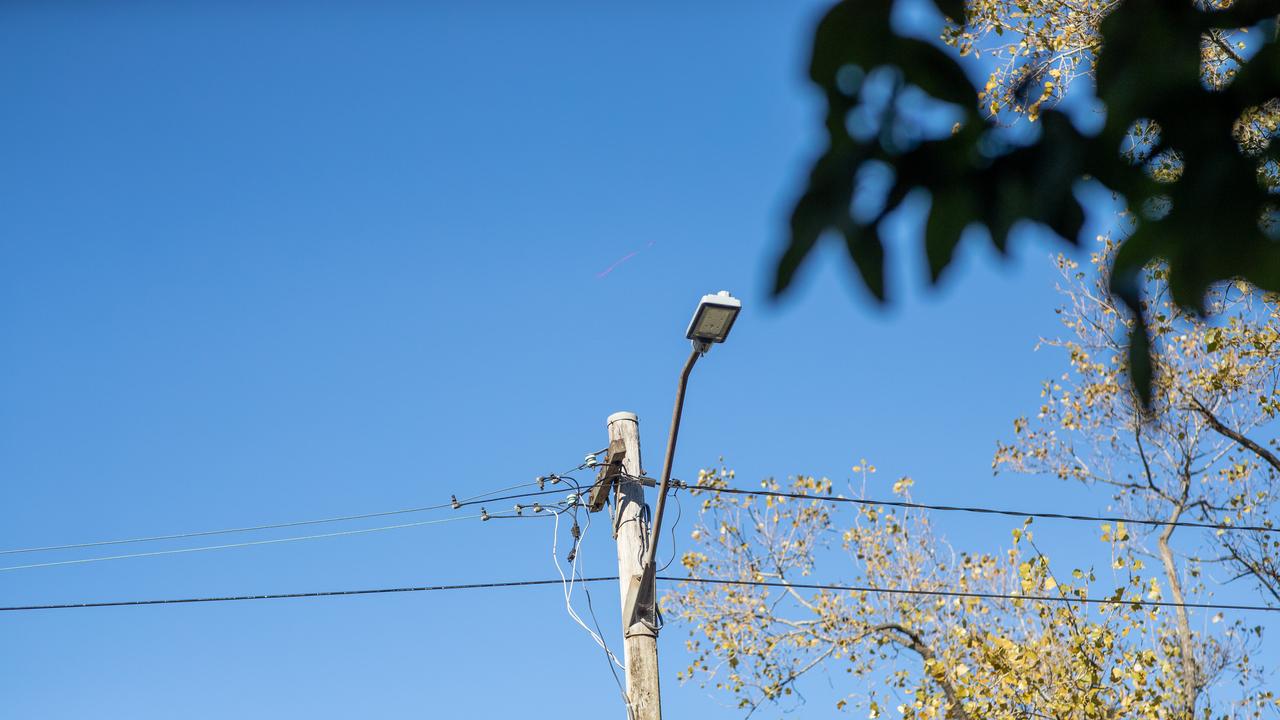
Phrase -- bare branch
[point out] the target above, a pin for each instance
(1239, 438)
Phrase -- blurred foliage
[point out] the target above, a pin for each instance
(1190, 112)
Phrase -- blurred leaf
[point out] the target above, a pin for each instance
(948, 216)
(867, 253)
(953, 9)
(1149, 69)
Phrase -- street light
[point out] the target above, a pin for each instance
(713, 319)
(710, 324)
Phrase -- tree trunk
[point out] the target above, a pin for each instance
(1191, 681)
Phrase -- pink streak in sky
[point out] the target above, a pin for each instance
(623, 259)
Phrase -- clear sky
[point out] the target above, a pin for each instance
(268, 264)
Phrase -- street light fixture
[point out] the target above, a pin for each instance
(713, 319)
(710, 324)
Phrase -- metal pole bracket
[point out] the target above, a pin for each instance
(610, 471)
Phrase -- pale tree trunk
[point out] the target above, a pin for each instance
(1191, 681)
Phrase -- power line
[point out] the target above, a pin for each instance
(474, 500)
(981, 595)
(225, 531)
(505, 489)
(714, 581)
(283, 596)
(971, 509)
(484, 497)
(203, 548)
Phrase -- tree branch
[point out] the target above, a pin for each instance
(955, 709)
(1215, 37)
(1238, 437)
(1268, 579)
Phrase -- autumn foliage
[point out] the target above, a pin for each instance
(1030, 649)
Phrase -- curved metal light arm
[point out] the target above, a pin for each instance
(646, 582)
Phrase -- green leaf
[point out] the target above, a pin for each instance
(1148, 69)
(950, 212)
(867, 253)
(953, 9)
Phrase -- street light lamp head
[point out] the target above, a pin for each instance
(713, 319)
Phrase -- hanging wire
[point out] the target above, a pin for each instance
(568, 591)
(586, 590)
(567, 585)
(675, 495)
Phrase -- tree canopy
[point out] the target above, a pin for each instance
(1190, 96)
(1018, 645)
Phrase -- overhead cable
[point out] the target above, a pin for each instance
(288, 596)
(474, 500)
(1136, 603)
(971, 509)
(203, 548)
(1068, 599)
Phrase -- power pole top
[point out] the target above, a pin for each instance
(624, 415)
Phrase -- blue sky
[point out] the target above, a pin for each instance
(268, 264)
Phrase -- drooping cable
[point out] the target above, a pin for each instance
(568, 591)
(675, 495)
(597, 634)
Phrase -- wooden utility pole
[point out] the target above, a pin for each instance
(640, 639)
